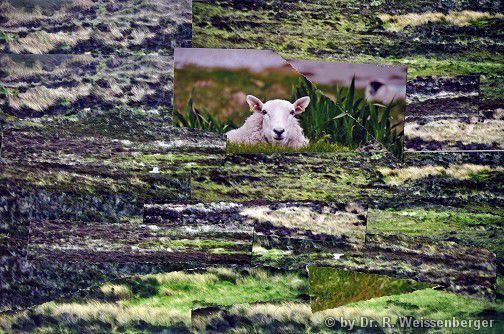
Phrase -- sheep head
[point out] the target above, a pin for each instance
(377, 91)
(278, 117)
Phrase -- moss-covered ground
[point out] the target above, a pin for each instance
(420, 35)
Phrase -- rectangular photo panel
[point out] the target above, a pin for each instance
(448, 114)
(201, 233)
(124, 140)
(469, 178)
(263, 104)
(34, 86)
(339, 223)
(182, 234)
(94, 26)
(301, 234)
(331, 288)
(470, 225)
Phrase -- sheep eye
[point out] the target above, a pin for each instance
(264, 112)
(292, 112)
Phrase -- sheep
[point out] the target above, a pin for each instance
(273, 122)
(380, 92)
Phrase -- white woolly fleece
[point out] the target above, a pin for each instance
(251, 132)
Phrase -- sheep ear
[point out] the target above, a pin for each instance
(254, 103)
(301, 104)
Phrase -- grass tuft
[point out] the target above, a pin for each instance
(398, 176)
(201, 119)
(116, 292)
(460, 19)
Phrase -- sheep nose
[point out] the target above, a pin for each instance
(279, 131)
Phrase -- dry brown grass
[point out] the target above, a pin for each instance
(16, 70)
(40, 42)
(19, 70)
(81, 4)
(140, 91)
(116, 291)
(224, 273)
(397, 176)
(114, 37)
(180, 276)
(301, 313)
(114, 313)
(487, 132)
(115, 93)
(462, 18)
(259, 274)
(40, 98)
(304, 218)
(140, 34)
(20, 15)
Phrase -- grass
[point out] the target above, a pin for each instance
(40, 42)
(341, 125)
(41, 98)
(289, 317)
(161, 302)
(349, 223)
(141, 303)
(427, 303)
(6, 92)
(98, 27)
(322, 145)
(220, 286)
(461, 64)
(8, 37)
(470, 227)
(349, 120)
(116, 291)
(460, 19)
(331, 288)
(454, 131)
(225, 90)
(399, 176)
(202, 120)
